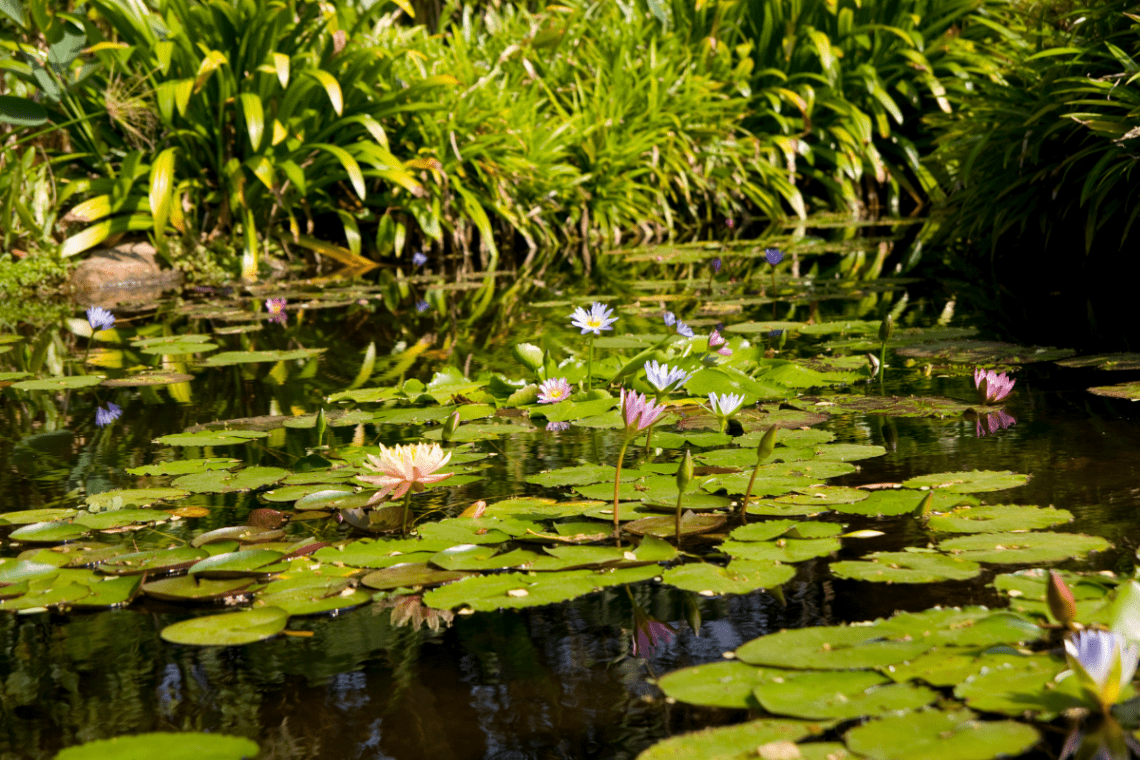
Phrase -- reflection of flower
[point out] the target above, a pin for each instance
(774, 255)
(418, 259)
(1104, 662)
(100, 319)
(718, 343)
(664, 379)
(595, 320)
(648, 632)
(410, 610)
(557, 427)
(716, 264)
(991, 422)
(638, 411)
(276, 309)
(108, 415)
(553, 390)
(404, 467)
(775, 333)
(992, 387)
(421, 306)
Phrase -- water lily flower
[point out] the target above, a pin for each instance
(100, 319)
(108, 415)
(992, 387)
(404, 468)
(992, 422)
(670, 318)
(716, 265)
(276, 309)
(638, 411)
(775, 333)
(664, 379)
(421, 306)
(554, 390)
(595, 320)
(773, 255)
(730, 222)
(718, 343)
(418, 259)
(725, 404)
(1059, 596)
(684, 330)
(557, 427)
(1104, 663)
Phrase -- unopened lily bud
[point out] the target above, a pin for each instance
(767, 445)
(693, 614)
(685, 471)
(450, 426)
(1060, 598)
(322, 425)
(886, 329)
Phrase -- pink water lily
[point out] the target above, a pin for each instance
(405, 467)
(718, 343)
(638, 411)
(554, 390)
(992, 387)
(276, 309)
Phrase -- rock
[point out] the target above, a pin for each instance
(127, 272)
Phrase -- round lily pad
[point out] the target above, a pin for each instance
(515, 590)
(729, 741)
(828, 648)
(410, 575)
(228, 629)
(790, 550)
(890, 406)
(481, 557)
(664, 527)
(904, 501)
(998, 519)
(211, 438)
(224, 481)
(316, 494)
(312, 601)
(1121, 361)
(29, 516)
(71, 383)
(184, 466)
(153, 560)
(839, 695)
(741, 576)
(1129, 391)
(984, 352)
(937, 735)
(907, 567)
(129, 498)
(121, 517)
(246, 534)
(148, 378)
(728, 683)
(1023, 548)
(975, 481)
(1020, 687)
(227, 358)
(49, 532)
(826, 495)
(109, 592)
(184, 745)
(239, 564)
(187, 588)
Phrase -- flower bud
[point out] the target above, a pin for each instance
(886, 329)
(1062, 605)
(322, 426)
(767, 445)
(685, 471)
(450, 426)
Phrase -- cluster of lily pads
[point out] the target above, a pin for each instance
(719, 486)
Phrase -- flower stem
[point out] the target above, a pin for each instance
(747, 495)
(590, 365)
(407, 506)
(680, 495)
(882, 362)
(648, 438)
(617, 484)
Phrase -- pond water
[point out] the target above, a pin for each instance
(389, 678)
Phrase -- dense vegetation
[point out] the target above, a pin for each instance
(548, 131)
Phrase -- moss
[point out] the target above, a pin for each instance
(31, 289)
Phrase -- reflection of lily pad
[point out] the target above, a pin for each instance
(998, 519)
(841, 695)
(148, 378)
(975, 481)
(1023, 548)
(984, 352)
(937, 735)
(891, 406)
(1129, 391)
(739, 577)
(906, 567)
(228, 629)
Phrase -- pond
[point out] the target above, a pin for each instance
(189, 545)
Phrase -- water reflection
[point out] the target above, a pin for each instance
(991, 422)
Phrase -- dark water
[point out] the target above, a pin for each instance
(553, 682)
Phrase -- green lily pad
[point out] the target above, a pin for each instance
(730, 742)
(130, 498)
(212, 438)
(741, 576)
(187, 588)
(907, 567)
(1129, 391)
(246, 534)
(665, 527)
(984, 352)
(752, 328)
(318, 494)
(514, 590)
(1121, 361)
(480, 530)
(476, 557)
(224, 481)
(29, 516)
(950, 666)
(1027, 686)
(998, 519)
(52, 596)
(310, 601)
(975, 481)
(167, 340)
(182, 745)
(109, 592)
(849, 452)
(717, 684)
(903, 501)
(937, 735)
(667, 439)
(365, 395)
(148, 379)
(789, 550)
(122, 517)
(7, 377)
(237, 564)
(470, 433)
(71, 383)
(410, 575)
(49, 532)
(13, 571)
(1023, 548)
(420, 415)
(828, 648)
(1026, 592)
(177, 345)
(152, 560)
(840, 695)
(227, 358)
(825, 495)
(581, 475)
(184, 466)
(766, 531)
(228, 629)
(890, 406)
(963, 627)
(571, 411)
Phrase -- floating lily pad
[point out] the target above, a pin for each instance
(571, 411)
(29, 516)
(122, 517)
(129, 498)
(730, 741)
(227, 358)
(937, 735)
(1121, 361)
(211, 438)
(479, 530)
(906, 567)
(891, 406)
(184, 466)
(224, 481)
(581, 475)
(410, 575)
(944, 666)
(983, 352)
(109, 592)
(664, 527)
(153, 560)
(52, 595)
(148, 378)
(246, 534)
(975, 481)
(182, 745)
(187, 588)
(476, 557)
(904, 501)
(420, 415)
(1023, 548)
(741, 576)
(376, 553)
(828, 648)
(228, 629)
(71, 383)
(790, 550)
(717, 684)
(964, 627)
(319, 495)
(1129, 391)
(1025, 686)
(13, 571)
(667, 439)
(515, 590)
(1026, 592)
(49, 532)
(177, 345)
(239, 564)
(842, 695)
(8, 377)
(752, 328)
(475, 432)
(998, 519)
(824, 495)
(849, 452)
(311, 601)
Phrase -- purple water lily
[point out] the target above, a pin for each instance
(595, 320)
(554, 390)
(422, 306)
(418, 259)
(664, 379)
(100, 319)
(718, 343)
(773, 255)
(670, 318)
(106, 416)
(276, 309)
(992, 387)
(992, 422)
(684, 330)
(638, 411)
(557, 427)
(716, 265)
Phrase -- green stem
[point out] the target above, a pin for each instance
(747, 495)
(882, 362)
(617, 484)
(648, 438)
(590, 365)
(407, 506)
(680, 494)
(773, 280)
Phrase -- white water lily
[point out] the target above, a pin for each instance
(1104, 662)
(664, 378)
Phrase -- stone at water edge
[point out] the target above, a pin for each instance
(127, 272)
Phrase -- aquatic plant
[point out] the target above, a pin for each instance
(593, 321)
(992, 387)
(105, 416)
(724, 405)
(991, 422)
(100, 318)
(684, 477)
(276, 309)
(405, 469)
(638, 413)
(764, 451)
(649, 633)
(554, 390)
(718, 345)
(664, 379)
(1104, 662)
(419, 259)
(1059, 597)
(886, 330)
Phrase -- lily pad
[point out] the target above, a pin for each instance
(906, 567)
(828, 648)
(983, 352)
(29, 516)
(790, 550)
(664, 527)
(311, 601)
(890, 406)
(71, 383)
(1129, 391)
(730, 742)
(227, 358)
(49, 532)
(187, 588)
(109, 592)
(182, 745)
(826, 495)
(239, 564)
(842, 695)
(410, 575)
(228, 629)
(937, 735)
(944, 666)
(130, 498)
(211, 438)
(741, 576)
(904, 501)
(998, 519)
(136, 563)
(246, 534)
(476, 557)
(224, 481)
(122, 517)
(975, 481)
(728, 683)
(515, 590)
(1112, 362)
(1027, 686)
(1023, 548)
(147, 379)
(184, 466)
